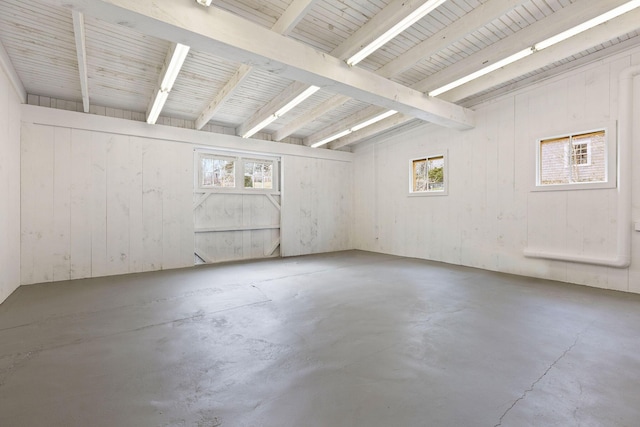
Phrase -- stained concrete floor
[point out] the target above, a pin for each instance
(343, 339)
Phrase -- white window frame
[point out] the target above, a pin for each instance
(569, 153)
(239, 158)
(445, 176)
(609, 153)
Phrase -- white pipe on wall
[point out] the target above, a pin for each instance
(625, 143)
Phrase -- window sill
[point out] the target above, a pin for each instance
(428, 193)
(572, 187)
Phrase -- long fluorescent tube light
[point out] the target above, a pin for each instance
(408, 21)
(613, 13)
(486, 70)
(373, 120)
(282, 111)
(607, 16)
(158, 103)
(297, 100)
(175, 64)
(355, 128)
(259, 126)
(331, 138)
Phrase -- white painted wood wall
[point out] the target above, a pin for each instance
(9, 188)
(491, 214)
(104, 196)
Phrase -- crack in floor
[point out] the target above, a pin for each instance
(533, 385)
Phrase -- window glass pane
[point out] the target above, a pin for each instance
(553, 169)
(218, 173)
(258, 174)
(435, 173)
(573, 159)
(420, 175)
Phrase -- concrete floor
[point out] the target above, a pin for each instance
(343, 339)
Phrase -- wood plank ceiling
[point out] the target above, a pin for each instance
(124, 62)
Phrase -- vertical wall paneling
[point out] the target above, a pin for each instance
(316, 205)
(152, 192)
(37, 168)
(98, 196)
(10, 251)
(136, 215)
(61, 244)
(80, 212)
(99, 200)
(491, 213)
(117, 199)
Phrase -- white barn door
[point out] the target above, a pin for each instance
(236, 206)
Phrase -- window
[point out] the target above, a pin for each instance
(258, 174)
(579, 160)
(217, 172)
(225, 172)
(428, 175)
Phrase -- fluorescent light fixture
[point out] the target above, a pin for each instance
(158, 103)
(486, 70)
(297, 100)
(331, 138)
(373, 120)
(408, 21)
(613, 13)
(259, 126)
(607, 16)
(355, 128)
(175, 64)
(282, 111)
(205, 3)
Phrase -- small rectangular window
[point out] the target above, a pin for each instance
(579, 158)
(217, 172)
(232, 172)
(258, 174)
(428, 175)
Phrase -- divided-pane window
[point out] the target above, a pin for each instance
(428, 174)
(258, 174)
(573, 159)
(228, 173)
(217, 172)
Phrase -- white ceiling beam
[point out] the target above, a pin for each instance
(294, 14)
(457, 30)
(344, 124)
(593, 37)
(565, 67)
(326, 106)
(286, 96)
(287, 22)
(224, 34)
(393, 13)
(221, 97)
(81, 53)
(602, 33)
(374, 129)
(561, 20)
(170, 69)
(380, 23)
(12, 75)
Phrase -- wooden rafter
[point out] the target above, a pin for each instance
(81, 53)
(224, 34)
(294, 13)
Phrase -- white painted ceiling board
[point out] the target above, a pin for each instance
(201, 78)
(256, 91)
(123, 65)
(40, 42)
